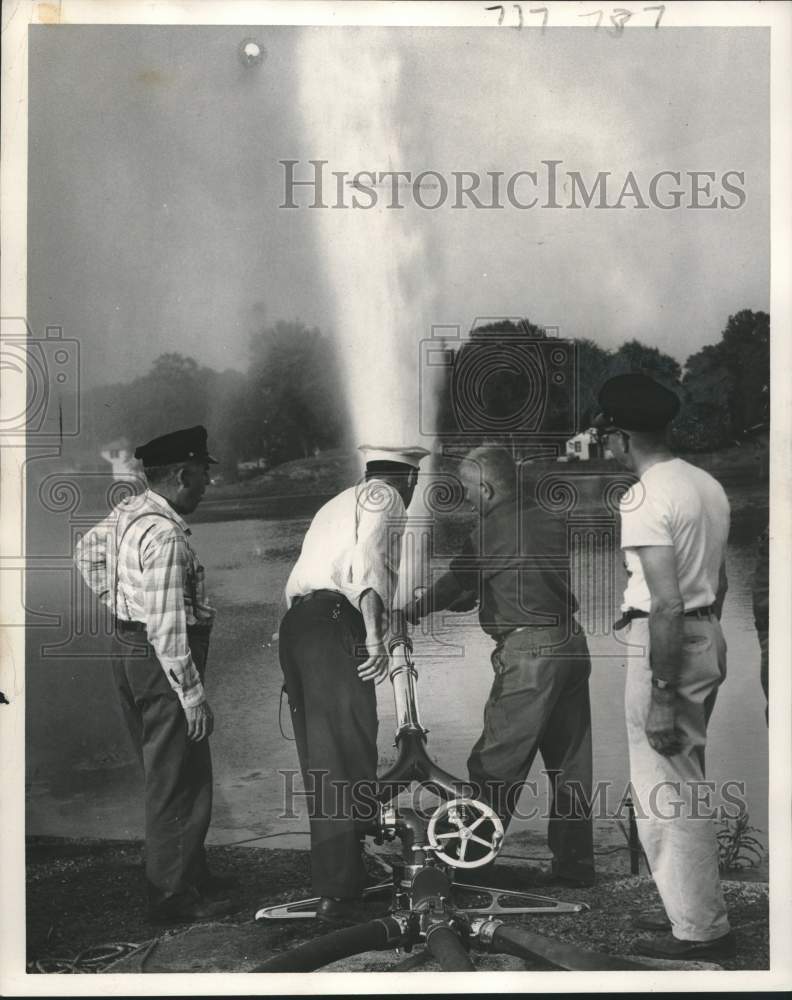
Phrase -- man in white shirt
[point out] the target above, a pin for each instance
(332, 647)
(675, 524)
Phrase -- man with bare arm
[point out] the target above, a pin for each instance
(332, 647)
(675, 523)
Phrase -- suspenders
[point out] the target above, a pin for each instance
(117, 547)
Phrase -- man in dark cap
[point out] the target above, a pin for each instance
(140, 563)
(332, 647)
(675, 524)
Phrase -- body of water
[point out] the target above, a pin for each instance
(82, 777)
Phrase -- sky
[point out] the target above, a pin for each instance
(155, 186)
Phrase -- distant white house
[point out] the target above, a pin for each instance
(582, 447)
(120, 456)
(252, 467)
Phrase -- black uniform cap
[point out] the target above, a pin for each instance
(179, 446)
(635, 402)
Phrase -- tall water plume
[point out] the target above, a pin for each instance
(375, 259)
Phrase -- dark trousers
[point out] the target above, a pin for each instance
(540, 701)
(334, 714)
(177, 771)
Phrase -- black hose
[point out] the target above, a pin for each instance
(525, 944)
(449, 951)
(376, 935)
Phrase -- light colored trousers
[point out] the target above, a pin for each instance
(679, 842)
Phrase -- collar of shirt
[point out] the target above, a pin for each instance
(162, 505)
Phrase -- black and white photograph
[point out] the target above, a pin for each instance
(395, 498)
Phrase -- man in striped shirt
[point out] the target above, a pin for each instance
(140, 563)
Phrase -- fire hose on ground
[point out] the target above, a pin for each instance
(461, 833)
(377, 935)
(446, 947)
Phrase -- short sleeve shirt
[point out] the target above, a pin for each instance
(679, 505)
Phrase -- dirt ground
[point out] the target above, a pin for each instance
(86, 909)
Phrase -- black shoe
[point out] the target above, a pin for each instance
(188, 909)
(216, 886)
(652, 920)
(341, 912)
(671, 947)
(566, 881)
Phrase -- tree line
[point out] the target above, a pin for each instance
(724, 387)
(290, 402)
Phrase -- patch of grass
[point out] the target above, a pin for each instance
(737, 847)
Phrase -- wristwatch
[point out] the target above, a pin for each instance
(662, 685)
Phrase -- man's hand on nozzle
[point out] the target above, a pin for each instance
(412, 611)
(200, 721)
(375, 667)
(415, 609)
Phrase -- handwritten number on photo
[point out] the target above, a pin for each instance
(618, 18)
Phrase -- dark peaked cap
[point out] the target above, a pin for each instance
(636, 402)
(180, 446)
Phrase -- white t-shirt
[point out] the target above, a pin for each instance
(675, 503)
(353, 544)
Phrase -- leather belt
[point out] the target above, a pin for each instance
(327, 595)
(501, 637)
(125, 626)
(631, 613)
(527, 628)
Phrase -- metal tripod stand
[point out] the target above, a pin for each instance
(427, 902)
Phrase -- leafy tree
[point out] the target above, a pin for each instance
(704, 423)
(745, 352)
(593, 368)
(295, 392)
(172, 394)
(286, 406)
(727, 385)
(633, 356)
(501, 372)
(507, 389)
